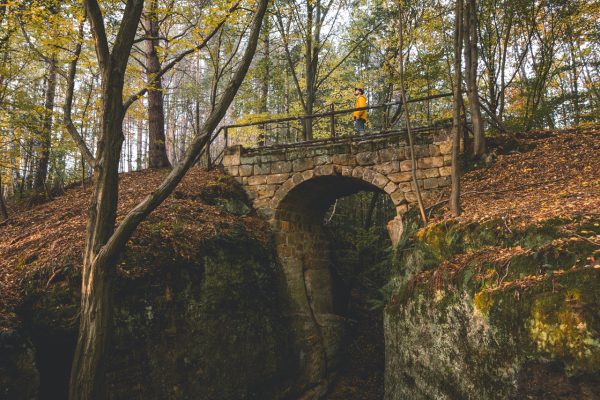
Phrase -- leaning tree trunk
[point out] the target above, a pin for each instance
(413, 159)
(411, 144)
(157, 155)
(41, 172)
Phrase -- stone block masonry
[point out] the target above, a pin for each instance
(382, 161)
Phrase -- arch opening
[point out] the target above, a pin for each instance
(322, 298)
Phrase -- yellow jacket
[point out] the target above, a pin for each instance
(361, 101)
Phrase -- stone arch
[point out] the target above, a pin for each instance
(367, 175)
(299, 207)
(369, 178)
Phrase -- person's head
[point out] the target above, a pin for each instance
(358, 91)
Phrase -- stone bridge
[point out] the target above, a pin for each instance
(329, 169)
(294, 186)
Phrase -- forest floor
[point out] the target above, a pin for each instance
(537, 176)
(540, 178)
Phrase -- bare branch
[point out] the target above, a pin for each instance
(133, 98)
(37, 51)
(352, 50)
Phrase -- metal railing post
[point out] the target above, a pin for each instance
(332, 120)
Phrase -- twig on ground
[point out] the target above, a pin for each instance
(506, 225)
(572, 233)
(507, 265)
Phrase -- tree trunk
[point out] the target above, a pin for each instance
(457, 125)
(471, 62)
(89, 363)
(309, 72)
(88, 372)
(157, 156)
(574, 80)
(41, 172)
(370, 210)
(139, 143)
(264, 82)
(264, 88)
(411, 144)
(3, 210)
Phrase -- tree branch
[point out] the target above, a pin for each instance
(133, 98)
(322, 80)
(67, 108)
(37, 51)
(126, 35)
(288, 55)
(98, 30)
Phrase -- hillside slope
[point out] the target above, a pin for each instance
(541, 175)
(502, 302)
(36, 241)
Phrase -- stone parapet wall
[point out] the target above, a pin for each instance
(268, 174)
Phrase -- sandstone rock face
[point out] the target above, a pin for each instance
(19, 375)
(486, 331)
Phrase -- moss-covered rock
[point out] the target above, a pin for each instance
(199, 311)
(480, 326)
(19, 377)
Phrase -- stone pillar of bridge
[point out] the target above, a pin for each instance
(303, 250)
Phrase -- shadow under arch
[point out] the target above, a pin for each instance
(303, 249)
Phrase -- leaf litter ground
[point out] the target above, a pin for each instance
(538, 177)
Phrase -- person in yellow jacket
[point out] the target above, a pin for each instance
(360, 116)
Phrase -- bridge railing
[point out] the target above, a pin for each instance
(425, 112)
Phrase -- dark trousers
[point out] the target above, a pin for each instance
(359, 125)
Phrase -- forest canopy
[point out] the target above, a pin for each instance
(539, 67)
